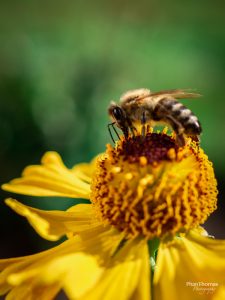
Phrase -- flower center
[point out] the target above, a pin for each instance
(150, 187)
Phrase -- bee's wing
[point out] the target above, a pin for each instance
(177, 94)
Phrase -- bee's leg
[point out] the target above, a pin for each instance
(179, 130)
(109, 129)
(148, 128)
(143, 122)
(133, 131)
(195, 138)
(180, 140)
(125, 132)
(131, 127)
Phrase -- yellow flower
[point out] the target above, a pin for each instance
(147, 200)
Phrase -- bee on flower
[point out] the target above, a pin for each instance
(142, 107)
(140, 236)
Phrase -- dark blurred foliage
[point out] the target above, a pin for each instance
(62, 62)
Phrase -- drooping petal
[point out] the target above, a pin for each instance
(52, 225)
(190, 267)
(219, 294)
(126, 277)
(58, 267)
(164, 278)
(32, 292)
(143, 290)
(75, 272)
(51, 178)
(18, 265)
(83, 275)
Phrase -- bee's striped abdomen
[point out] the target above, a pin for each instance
(183, 115)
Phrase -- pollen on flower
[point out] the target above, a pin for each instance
(150, 187)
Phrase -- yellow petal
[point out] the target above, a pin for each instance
(85, 171)
(219, 294)
(52, 225)
(82, 273)
(143, 290)
(191, 266)
(122, 278)
(57, 266)
(29, 264)
(164, 279)
(51, 178)
(76, 273)
(29, 291)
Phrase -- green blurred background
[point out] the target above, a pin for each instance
(62, 62)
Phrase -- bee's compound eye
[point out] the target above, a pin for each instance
(118, 113)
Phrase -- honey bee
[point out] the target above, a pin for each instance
(145, 108)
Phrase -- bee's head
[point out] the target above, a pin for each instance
(117, 114)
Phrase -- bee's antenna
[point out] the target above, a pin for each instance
(109, 129)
